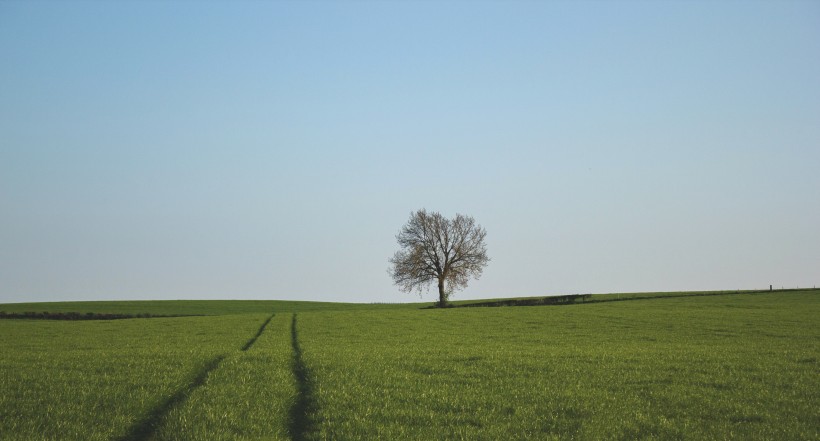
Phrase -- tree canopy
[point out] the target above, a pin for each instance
(436, 249)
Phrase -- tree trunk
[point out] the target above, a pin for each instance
(442, 299)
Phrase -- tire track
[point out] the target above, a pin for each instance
(146, 428)
(301, 421)
(258, 333)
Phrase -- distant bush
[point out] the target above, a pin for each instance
(77, 315)
(551, 300)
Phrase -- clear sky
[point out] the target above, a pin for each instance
(272, 150)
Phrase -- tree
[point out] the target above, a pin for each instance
(436, 249)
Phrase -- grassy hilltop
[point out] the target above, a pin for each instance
(195, 307)
(726, 365)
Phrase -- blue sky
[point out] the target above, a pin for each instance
(162, 150)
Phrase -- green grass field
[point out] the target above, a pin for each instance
(197, 307)
(728, 366)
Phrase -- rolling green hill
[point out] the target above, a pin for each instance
(663, 366)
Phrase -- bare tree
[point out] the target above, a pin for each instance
(441, 250)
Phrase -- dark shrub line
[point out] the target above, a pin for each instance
(83, 316)
(616, 298)
(587, 298)
(553, 300)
